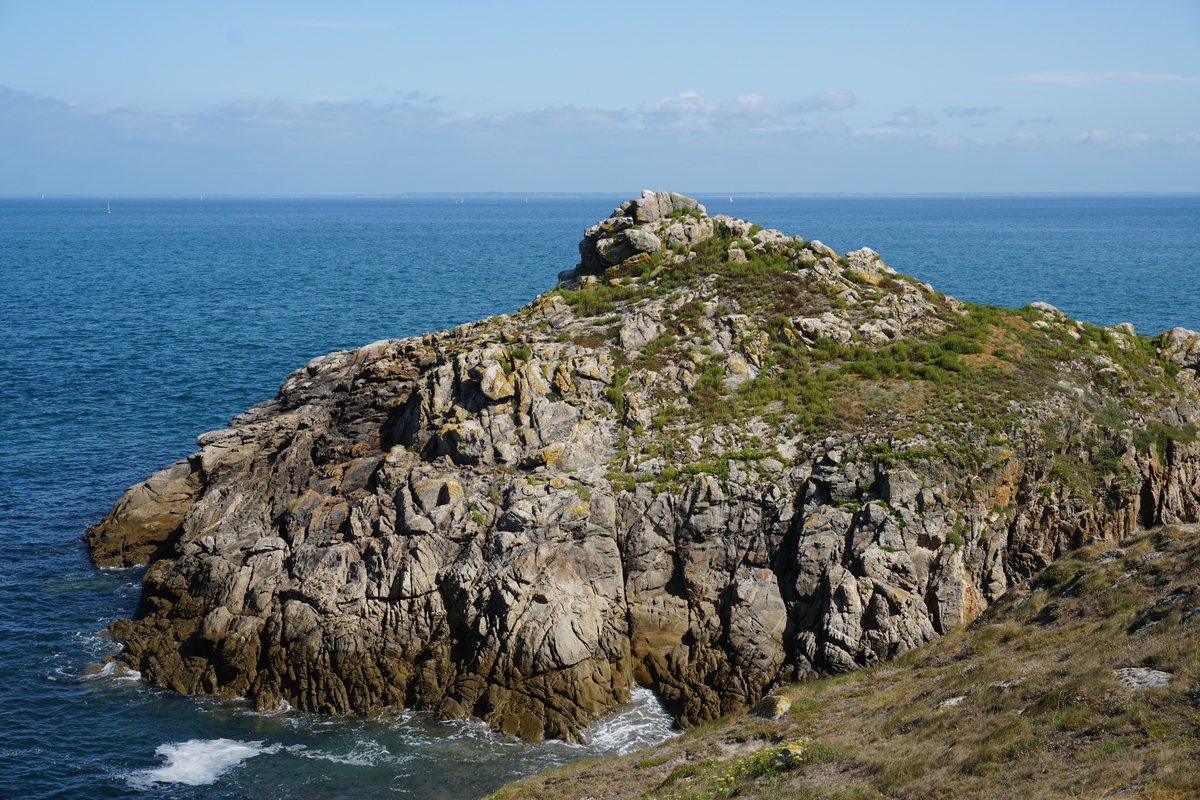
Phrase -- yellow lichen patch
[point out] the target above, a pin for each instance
(562, 381)
(495, 384)
(864, 276)
(551, 453)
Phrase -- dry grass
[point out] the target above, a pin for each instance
(1042, 715)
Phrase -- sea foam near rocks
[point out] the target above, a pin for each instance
(642, 722)
(198, 762)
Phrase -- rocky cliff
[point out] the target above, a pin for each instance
(714, 458)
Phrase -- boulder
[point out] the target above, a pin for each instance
(1180, 346)
(1142, 678)
(643, 241)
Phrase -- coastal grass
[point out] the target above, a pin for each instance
(1041, 713)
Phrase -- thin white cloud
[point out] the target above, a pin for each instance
(1101, 138)
(264, 114)
(680, 105)
(1077, 80)
(885, 133)
(752, 110)
(689, 111)
(827, 101)
(1026, 140)
(750, 105)
(832, 127)
(910, 118)
(752, 115)
(1037, 121)
(1097, 139)
(907, 137)
(968, 112)
(273, 141)
(106, 108)
(565, 114)
(330, 25)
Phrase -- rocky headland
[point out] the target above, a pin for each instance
(714, 459)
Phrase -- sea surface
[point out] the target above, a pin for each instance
(123, 336)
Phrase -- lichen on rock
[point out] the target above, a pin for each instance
(714, 459)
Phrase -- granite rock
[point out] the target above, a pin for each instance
(517, 519)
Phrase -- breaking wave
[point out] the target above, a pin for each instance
(198, 762)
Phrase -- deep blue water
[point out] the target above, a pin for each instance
(124, 336)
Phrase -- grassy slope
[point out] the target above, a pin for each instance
(1062, 727)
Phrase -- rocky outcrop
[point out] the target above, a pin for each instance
(637, 230)
(704, 472)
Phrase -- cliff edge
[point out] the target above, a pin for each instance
(714, 459)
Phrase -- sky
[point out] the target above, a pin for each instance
(385, 98)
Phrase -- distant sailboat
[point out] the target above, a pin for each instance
(731, 199)
(107, 207)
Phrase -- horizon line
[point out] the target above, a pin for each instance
(547, 195)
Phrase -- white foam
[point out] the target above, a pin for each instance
(363, 754)
(641, 722)
(127, 674)
(282, 709)
(112, 670)
(198, 762)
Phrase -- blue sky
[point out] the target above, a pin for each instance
(123, 98)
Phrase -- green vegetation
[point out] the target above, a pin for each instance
(966, 373)
(600, 300)
(685, 213)
(1161, 436)
(616, 392)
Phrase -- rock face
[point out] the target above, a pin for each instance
(625, 243)
(777, 464)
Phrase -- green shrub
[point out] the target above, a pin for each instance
(957, 344)
(599, 300)
(616, 392)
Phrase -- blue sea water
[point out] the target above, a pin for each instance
(124, 336)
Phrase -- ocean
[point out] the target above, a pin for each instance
(126, 335)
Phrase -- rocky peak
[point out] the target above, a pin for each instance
(714, 458)
(627, 242)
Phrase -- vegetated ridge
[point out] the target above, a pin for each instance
(713, 460)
